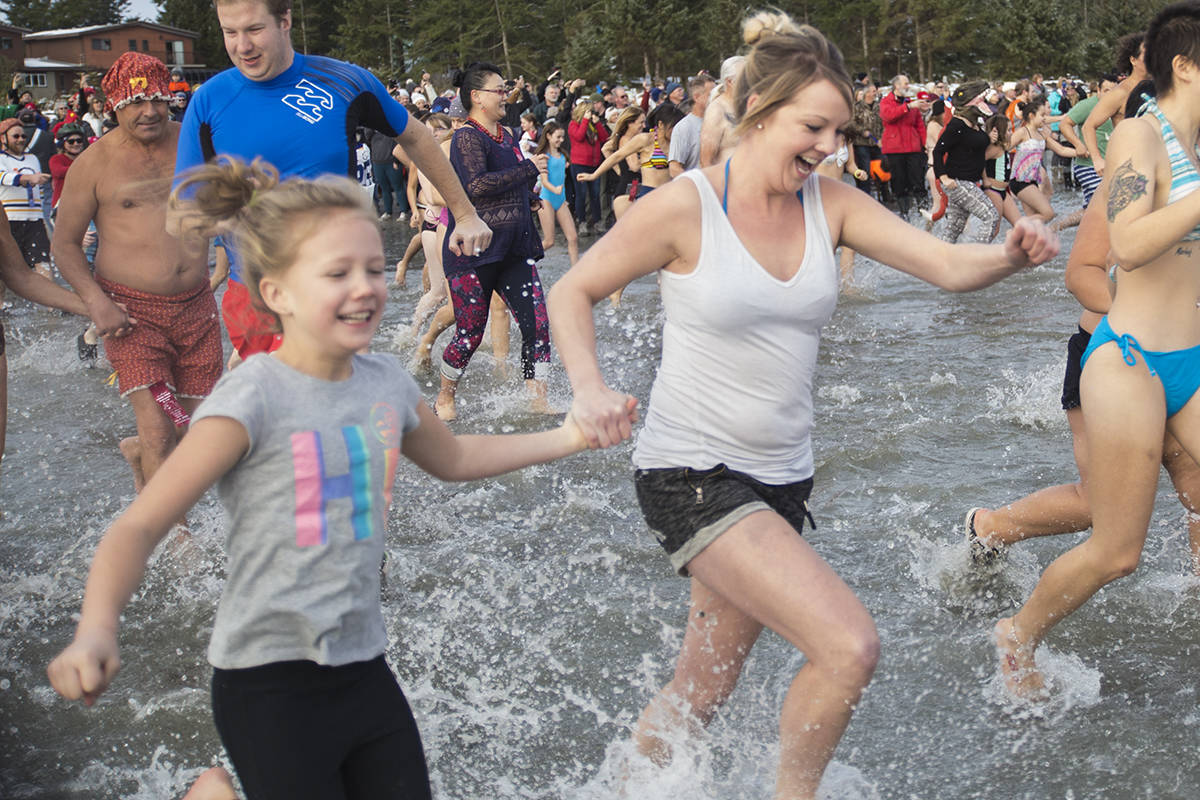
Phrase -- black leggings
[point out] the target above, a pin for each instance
(517, 281)
(296, 730)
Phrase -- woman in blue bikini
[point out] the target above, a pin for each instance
(1141, 369)
(744, 250)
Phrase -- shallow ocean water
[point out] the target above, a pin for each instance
(531, 616)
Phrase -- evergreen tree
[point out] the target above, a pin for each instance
(37, 15)
(80, 13)
(369, 34)
(200, 17)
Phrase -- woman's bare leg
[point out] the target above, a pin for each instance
(432, 242)
(442, 320)
(501, 338)
(1185, 476)
(213, 784)
(1050, 511)
(1036, 203)
(414, 245)
(620, 206)
(774, 578)
(568, 226)
(546, 215)
(1125, 418)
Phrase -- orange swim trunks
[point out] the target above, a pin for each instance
(177, 340)
(250, 330)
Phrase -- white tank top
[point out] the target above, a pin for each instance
(739, 351)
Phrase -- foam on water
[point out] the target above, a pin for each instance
(532, 617)
(1032, 400)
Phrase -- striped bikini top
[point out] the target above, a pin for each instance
(658, 159)
(1184, 177)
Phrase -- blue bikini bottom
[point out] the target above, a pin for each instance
(1177, 370)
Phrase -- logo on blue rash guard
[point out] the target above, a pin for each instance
(308, 105)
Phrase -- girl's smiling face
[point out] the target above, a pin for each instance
(331, 300)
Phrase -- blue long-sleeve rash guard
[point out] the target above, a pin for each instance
(302, 121)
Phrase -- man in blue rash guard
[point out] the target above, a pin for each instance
(300, 112)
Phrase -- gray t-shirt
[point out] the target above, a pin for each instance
(685, 141)
(306, 509)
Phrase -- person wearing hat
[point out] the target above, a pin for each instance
(21, 180)
(299, 112)
(72, 140)
(674, 93)
(149, 298)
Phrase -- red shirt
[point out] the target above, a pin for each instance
(903, 127)
(583, 152)
(59, 164)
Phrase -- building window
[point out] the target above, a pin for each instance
(102, 44)
(5, 43)
(145, 45)
(175, 52)
(133, 44)
(35, 80)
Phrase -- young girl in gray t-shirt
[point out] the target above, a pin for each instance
(303, 444)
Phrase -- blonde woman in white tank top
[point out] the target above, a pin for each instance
(724, 460)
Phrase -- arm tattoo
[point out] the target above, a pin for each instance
(1127, 186)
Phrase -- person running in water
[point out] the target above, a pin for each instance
(744, 252)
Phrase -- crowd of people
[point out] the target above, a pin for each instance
(729, 188)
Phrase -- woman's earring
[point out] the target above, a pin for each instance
(759, 126)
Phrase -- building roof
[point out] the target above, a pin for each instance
(68, 33)
(49, 63)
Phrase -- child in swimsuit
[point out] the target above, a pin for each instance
(553, 186)
(305, 444)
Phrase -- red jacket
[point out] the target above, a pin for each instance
(582, 152)
(903, 127)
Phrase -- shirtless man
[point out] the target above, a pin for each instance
(150, 299)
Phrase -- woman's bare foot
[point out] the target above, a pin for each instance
(538, 403)
(1022, 679)
(131, 448)
(444, 405)
(213, 784)
(401, 272)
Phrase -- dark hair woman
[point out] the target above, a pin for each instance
(500, 181)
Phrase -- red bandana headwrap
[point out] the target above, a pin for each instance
(135, 76)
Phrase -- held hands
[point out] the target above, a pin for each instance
(603, 417)
(1030, 243)
(471, 236)
(111, 319)
(88, 665)
(34, 179)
